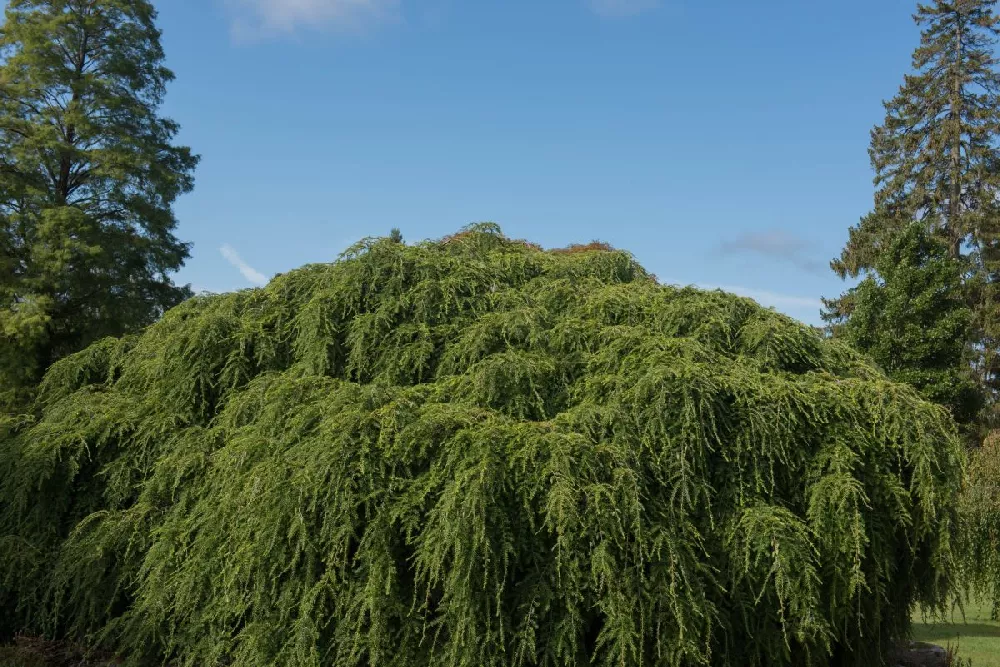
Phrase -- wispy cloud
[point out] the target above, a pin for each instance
(251, 274)
(255, 19)
(621, 8)
(779, 245)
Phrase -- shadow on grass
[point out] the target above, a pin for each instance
(968, 629)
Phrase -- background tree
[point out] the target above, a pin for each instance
(936, 160)
(88, 177)
(911, 317)
(986, 293)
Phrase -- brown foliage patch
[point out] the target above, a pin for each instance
(593, 246)
(992, 439)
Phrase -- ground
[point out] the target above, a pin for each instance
(28, 652)
(975, 636)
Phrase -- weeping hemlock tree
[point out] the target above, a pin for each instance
(88, 177)
(475, 452)
(937, 160)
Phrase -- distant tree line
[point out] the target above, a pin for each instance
(927, 307)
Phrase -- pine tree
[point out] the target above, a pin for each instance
(936, 160)
(88, 177)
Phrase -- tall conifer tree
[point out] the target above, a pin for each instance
(936, 160)
(88, 178)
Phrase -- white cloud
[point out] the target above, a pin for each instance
(251, 274)
(262, 18)
(619, 8)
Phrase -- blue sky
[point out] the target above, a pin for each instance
(724, 143)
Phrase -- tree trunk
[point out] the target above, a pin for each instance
(66, 164)
(955, 203)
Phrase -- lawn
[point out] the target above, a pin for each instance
(976, 636)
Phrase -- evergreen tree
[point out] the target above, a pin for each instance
(936, 160)
(88, 177)
(911, 317)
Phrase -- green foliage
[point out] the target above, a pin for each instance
(475, 452)
(981, 513)
(88, 177)
(910, 317)
(936, 160)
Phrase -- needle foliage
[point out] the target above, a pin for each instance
(474, 452)
(981, 511)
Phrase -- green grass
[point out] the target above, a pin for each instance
(976, 636)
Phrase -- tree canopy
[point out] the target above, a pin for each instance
(88, 177)
(910, 316)
(476, 452)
